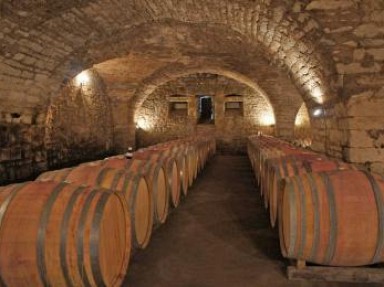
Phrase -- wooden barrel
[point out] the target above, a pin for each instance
(178, 152)
(200, 149)
(291, 166)
(132, 185)
(333, 218)
(192, 162)
(181, 160)
(212, 146)
(284, 163)
(203, 148)
(250, 153)
(263, 148)
(259, 144)
(187, 151)
(157, 179)
(283, 157)
(264, 156)
(252, 157)
(60, 234)
(155, 175)
(275, 153)
(171, 170)
(190, 151)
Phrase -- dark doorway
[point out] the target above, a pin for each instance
(205, 110)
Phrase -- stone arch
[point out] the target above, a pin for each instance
(283, 110)
(305, 71)
(157, 120)
(172, 72)
(264, 25)
(303, 128)
(79, 123)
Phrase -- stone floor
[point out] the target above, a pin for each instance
(218, 236)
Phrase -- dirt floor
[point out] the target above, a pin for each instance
(218, 236)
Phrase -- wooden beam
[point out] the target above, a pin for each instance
(339, 274)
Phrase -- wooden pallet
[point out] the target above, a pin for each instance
(300, 271)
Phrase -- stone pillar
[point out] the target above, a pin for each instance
(219, 105)
(364, 130)
(124, 131)
(192, 106)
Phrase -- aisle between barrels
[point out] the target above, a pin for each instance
(218, 236)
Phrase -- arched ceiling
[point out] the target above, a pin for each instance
(154, 111)
(176, 72)
(44, 44)
(165, 55)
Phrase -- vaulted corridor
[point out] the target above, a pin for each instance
(219, 236)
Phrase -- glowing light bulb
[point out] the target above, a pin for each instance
(317, 112)
(82, 78)
(142, 124)
(267, 118)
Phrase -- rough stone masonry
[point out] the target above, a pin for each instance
(324, 54)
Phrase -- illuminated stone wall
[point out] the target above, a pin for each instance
(327, 53)
(76, 126)
(157, 123)
(79, 122)
(363, 130)
(302, 130)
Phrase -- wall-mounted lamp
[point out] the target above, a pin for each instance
(317, 112)
(142, 123)
(267, 118)
(82, 78)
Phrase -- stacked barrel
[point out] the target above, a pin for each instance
(78, 226)
(329, 212)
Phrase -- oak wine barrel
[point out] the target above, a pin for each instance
(178, 152)
(288, 167)
(333, 218)
(60, 234)
(132, 185)
(171, 170)
(155, 175)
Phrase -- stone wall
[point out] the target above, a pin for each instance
(156, 121)
(364, 130)
(232, 130)
(79, 122)
(22, 150)
(76, 127)
(303, 130)
(45, 42)
(353, 38)
(328, 53)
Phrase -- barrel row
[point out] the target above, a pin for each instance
(329, 212)
(276, 159)
(78, 226)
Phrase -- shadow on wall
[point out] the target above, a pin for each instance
(21, 144)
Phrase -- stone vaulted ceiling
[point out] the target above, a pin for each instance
(44, 43)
